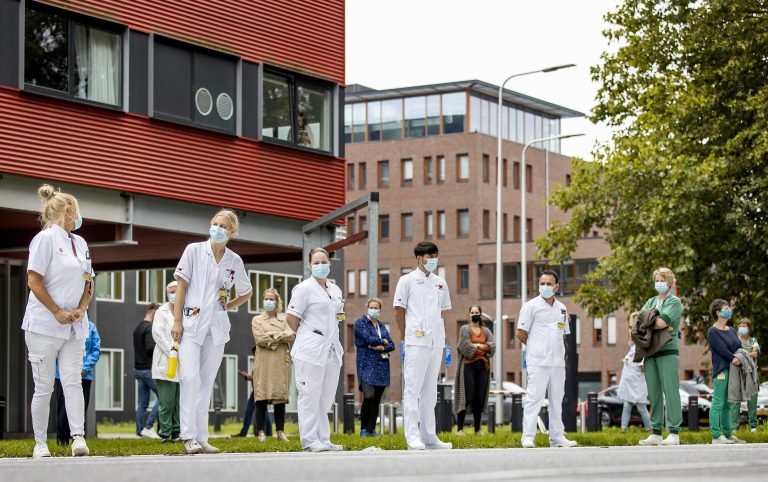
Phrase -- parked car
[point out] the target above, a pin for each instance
(610, 406)
(693, 387)
(510, 388)
(762, 405)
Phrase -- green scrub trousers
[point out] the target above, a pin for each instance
(663, 384)
(720, 413)
(751, 412)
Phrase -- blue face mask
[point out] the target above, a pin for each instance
(78, 223)
(270, 305)
(321, 270)
(743, 331)
(430, 264)
(726, 314)
(218, 234)
(661, 287)
(373, 313)
(172, 298)
(546, 291)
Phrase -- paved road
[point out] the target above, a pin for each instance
(657, 464)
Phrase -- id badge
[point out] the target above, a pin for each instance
(223, 293)
(340, 317)
(721, 376)
(419, 333)
(561, 325)
(385, 356)
(87, 276)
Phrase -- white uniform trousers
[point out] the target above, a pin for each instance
(422, 367)
(198, 366)
(44, 350)
(543, 380)
(316, 387)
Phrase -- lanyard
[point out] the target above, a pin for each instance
(378, 329)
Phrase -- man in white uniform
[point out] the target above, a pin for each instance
(420, 298)
(542, 326)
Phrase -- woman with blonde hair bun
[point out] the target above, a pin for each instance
(60, 279)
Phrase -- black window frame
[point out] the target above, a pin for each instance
(294, 79)
(73, 19)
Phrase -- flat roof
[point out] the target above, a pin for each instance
(358, 93)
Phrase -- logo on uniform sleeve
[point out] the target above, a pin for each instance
(562, 312)
(61, 250)
(440, 287)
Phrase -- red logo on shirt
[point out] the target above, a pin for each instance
(61, 250)
(440, 287)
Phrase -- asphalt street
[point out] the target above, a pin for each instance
(680, 464)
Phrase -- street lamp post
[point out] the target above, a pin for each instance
(498, 365)
(524, 238)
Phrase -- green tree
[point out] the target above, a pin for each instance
(683, 183)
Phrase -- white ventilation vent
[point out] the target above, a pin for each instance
(224, 106)
(203, 101)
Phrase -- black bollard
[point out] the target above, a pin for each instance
(491, 418)
(348, 414)
(447, 409)
(593, 415)
(217, 420)
(517, 412)
(544, 416)
(693, 413)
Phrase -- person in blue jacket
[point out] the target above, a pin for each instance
(90, 357)
(373, 344)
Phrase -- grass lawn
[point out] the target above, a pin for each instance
(501, 439)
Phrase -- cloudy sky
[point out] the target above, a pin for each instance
(397, 43)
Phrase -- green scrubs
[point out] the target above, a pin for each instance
(752, 402)
(720, 412)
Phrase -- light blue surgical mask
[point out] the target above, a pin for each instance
(743, 331)
(218, 234)
(270, 305)
(78, 223)
(661, 287)
(373, 313)
(546, 291)
(726, 314)
(321, 270)
(172, 298)
(430, 264)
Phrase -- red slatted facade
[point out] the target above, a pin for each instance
(71, 142)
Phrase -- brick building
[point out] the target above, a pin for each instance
(431, 153)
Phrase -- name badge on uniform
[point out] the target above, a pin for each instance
(340, 317)
(419, 333)
(721, 376)
(560, 325)
(223, 293)
(385, 356)
(87, 276)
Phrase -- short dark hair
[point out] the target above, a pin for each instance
(476, 306)
(746, 321)
(551, 273)
(714, 308)
(425, 247)
(153, 307)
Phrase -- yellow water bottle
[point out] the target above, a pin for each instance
(173, 361)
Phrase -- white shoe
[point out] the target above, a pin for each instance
(439, 445)
(417, 445)
(281, 437)
(316, 447)
(528, 444)
(262, 437)
(208, 448)
(191, 447)
(563, 442)
(753, 430)
(736, 440)
(334, 448)
(149, 433)
(721, 440)
(79, 447)
(672, 439)
(41, 450)
(652, 439)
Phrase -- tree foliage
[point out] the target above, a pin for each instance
(683, 183)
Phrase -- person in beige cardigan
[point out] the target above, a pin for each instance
(272, 363)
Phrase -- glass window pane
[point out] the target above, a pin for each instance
(363, 282)
(440, 169)
(555, 131)
(494, 118)
(454, 112)
(513, 124)
(433, 115)
(291, 283)
(537, 127)
(474, 114)
(277, 120)
(545, 133)
(391, 119)
(464, 166)
(485, 108)
(505, 122)
(313, 124)
(265, 281)
(278, 283)
(141, 287)
(97, 65)
(520, 126)
(347, 123)
(255, 302)
(415, 113)
(529, 127)
(358, 127)
(374, 121)
(46, 49)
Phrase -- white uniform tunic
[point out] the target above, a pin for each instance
(424, 298)
(632, 387)
(545, 358)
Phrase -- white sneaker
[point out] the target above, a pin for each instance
(439, 445)
(281, 437)
(191, 447)
(672, 439)
(79, 447)
(262, 437)
(753, 430)
(528, 444)
(563, 442)
(721, 440)
(149, 433)
(736, 440)
(208, 448)
(334, 448)
(41, 450)
(417, 445)
(652, 439)
(316, 447)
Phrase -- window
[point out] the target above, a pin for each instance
(351, 277)
(529, 178)
(440, 169)
(433, 115)
(109, 286)
(351, 227)
(529, 229)
(504, 174)
(392, 119)
(383, 281)
(363, 282)
(611, 330)
(485, 109)
(486, 168)
(383, 227)
(486, 224)
(415, 116)
(406, 172)
(516, 175)
(351, 176)
(462, 275)
(520, 126)
(578, 330)
(474, 114)
(462, 223)
(362, 224)
(348, 123)
(109, 380)
(69, 58)
(429, 224)
(374, 121)
(462, 167)
(567, 180)
(441, 271)
(494, 118)
(441, 224)
(597, 332)
(505, 227)
(454, 112)
(224, 395)
(150, 285)
(361, 175)
(261, 280)
(404, 271)
(516, 228)
(296, 105)
(383, 173)
(358, 119)
(529, 127)
(509, 336)
(349, 338)
(406, 226)
(427, 170)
